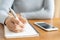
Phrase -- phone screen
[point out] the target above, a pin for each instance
(44, 25)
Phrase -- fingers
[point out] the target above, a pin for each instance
(13, 25)
(21, 24)
(14, 28)
(14, 20)
(23, 20)
(18, 28)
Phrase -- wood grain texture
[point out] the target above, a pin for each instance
(55, 35)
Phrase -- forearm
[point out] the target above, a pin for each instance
(4, 9)
(47, 12)
(6, 4)
(3, 16)
(41, 14)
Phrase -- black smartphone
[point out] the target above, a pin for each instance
(46, 26)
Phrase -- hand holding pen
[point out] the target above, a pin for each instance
(16, 23)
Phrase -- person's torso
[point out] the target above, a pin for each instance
(27, 5)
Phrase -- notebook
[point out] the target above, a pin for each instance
(29, 31)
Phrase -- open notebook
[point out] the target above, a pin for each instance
(29, 31)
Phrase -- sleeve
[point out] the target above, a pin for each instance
(47, 12)
(4, 9)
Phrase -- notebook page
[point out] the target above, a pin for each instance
(29, 31)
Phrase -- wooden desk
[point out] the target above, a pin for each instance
(55, 35)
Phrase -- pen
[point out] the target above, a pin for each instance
(14, 14)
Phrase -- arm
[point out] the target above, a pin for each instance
(47, 12)
(4, 9)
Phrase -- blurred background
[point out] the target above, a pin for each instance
(57, 8)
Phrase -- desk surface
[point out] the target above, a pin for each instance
(55, 35)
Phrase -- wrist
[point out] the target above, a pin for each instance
(6, 20)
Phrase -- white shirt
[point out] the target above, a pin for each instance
(31, 9)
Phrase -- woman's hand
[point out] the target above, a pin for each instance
(14, 25)
(22, 19)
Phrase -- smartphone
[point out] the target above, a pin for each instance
(45, 26)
